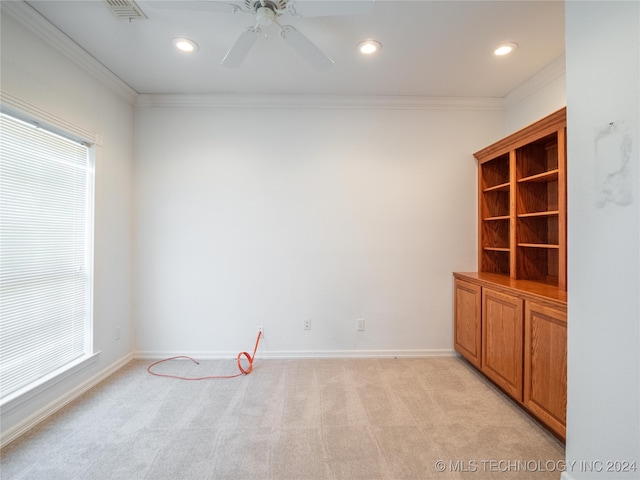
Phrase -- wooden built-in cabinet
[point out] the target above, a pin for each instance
(515, 333)
(522, 203)
(510, 317)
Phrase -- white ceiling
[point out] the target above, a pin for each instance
(430, 48)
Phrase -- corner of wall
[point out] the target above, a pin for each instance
(540, 95)
(40, 26)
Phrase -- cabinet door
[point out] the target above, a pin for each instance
(502, 340)
(545, 388)
(467, 318)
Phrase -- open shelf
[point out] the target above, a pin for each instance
(550, 176)
(522, 203)
(538, 263)
(495, 260)
(495, 173)
(537, 229)
(503, 187)
(537, 197)
(495, 204)
(496, 233)
(547, 213)
(538, 245)
(537, 157)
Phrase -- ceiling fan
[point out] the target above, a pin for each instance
(266, 13)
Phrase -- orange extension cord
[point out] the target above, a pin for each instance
(243, 371)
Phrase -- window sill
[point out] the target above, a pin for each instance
(40, 386)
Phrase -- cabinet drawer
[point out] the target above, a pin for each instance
(502, 340)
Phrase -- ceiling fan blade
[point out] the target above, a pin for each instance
(238, 52)
(305, 48)
(199, 5)
(329, 8)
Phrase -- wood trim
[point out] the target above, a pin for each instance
(529, 290)
(562, 208)
(541, 128)
(512, 214)
(480, 197)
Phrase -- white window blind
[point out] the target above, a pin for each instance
(45, 252)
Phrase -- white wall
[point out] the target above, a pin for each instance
(45, 80)
(264, 216)
(603, 83)
(267, 216)
(542, 94)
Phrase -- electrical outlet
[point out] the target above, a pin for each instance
(118, 332)
(360, 324)
(307, 324)
(261, 331)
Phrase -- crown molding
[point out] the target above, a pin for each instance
(44, 29)
(548, 74)
(542, 127)
(30, 18)
(319, 101)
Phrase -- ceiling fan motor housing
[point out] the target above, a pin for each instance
(276, 6)
(265, 16)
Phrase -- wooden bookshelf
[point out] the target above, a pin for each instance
(522, 204)
(510, 317)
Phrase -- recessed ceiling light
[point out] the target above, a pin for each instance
(505, 48)
(185, 45)
(369, 47)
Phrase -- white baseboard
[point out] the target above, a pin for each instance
(45, 412)
(291, 354)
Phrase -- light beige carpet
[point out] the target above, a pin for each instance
(431, 418)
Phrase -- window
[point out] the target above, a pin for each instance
(46, 236)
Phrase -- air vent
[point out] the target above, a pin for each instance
(126, 10)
